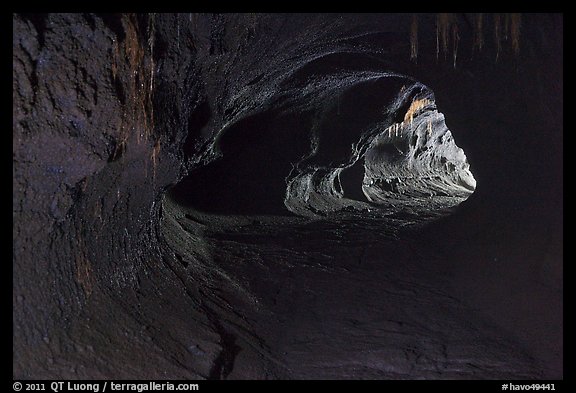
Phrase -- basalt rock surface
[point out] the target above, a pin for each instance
(253, 196)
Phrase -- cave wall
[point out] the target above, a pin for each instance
(111, 110)
(90, 162)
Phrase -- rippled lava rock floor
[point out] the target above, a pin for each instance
(353, 297)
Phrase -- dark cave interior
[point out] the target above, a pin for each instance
(288, 196)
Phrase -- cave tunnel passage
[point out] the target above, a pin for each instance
(394, 284)
(261, 155)
(258, 152)
(351, 181)
(249, 177)
(108, 283)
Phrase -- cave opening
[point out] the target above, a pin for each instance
(278, 162)
(350, 180)
(249, 177)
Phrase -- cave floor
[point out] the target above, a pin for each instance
(354, 298)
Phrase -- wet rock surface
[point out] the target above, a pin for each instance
(283, 196)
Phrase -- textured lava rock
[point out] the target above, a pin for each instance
(223, 196)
